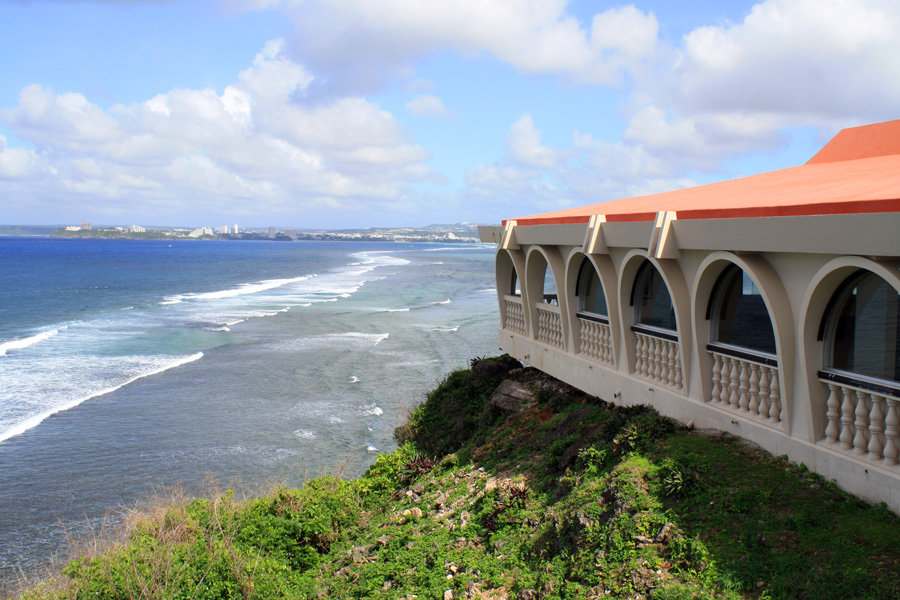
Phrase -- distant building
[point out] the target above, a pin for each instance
(200, 231)
(222, 230)
(85, 226)
(271, 233)
(235, 229)
(73, 228)
(136, 229)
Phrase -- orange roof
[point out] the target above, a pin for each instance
(858, 171)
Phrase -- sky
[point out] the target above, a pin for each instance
(375, 113)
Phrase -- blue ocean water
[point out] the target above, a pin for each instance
(129, 366)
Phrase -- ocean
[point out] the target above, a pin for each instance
(130, 366)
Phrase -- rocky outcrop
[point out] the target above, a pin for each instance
(510, 397)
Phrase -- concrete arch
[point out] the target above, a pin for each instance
(815, 302)
(681, 302)
(509, 266)
(607, 273)
(537, 260)
(775, 297)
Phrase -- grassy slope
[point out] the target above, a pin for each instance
(571, 498)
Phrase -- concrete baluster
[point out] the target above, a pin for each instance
(726, 380)
(833, 414)
(774, 398)
(861, 423)
(876, 428)
(764, 392)
(891, 432)
(744, 386)
(735, 384)
(716, 377)
(679, 382)
(846, 419)
(754, 389)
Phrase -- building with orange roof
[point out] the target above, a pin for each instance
(766, 306)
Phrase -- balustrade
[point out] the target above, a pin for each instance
(549, 325)
(596, 339)
(657, 357)
(746, 382)
(515, 315)
(862, 418)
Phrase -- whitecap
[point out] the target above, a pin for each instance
(354, 379)
(373, 410)
(335, 420)
(35, 420)
(241, 290)
(305, 434)
(21, 343)
(447, 301)
(372, 449)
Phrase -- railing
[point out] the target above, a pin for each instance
(657, 356)
(549, 325)
(596, 338)
(551, 299)
(746, 381)
(515, 314)
(862, 417)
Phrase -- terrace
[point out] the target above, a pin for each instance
(765, 306)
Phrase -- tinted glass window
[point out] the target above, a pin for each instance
(740, 314)
(652, 300)
(864, 332)
(590, 293)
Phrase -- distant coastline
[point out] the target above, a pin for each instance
(459, 233)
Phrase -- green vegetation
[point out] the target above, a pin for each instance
(115, 234)
(570, 497)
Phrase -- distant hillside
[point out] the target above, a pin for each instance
(26, 229)
(511, 485)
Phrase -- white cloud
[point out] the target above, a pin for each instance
(17, 163)
(427, 105)
(524, 145)
(363, 44)
(250, 149)
(811, 59)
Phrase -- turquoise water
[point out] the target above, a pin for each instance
(129, 366)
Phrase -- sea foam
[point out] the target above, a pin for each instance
(21, 343)
(34, 420)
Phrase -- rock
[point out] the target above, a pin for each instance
(360, 553)
(526, 595)
(448, 594)
(667, 533)
(492, 368)
(510, 397)
(415, 512)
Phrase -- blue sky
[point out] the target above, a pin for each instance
(350, 113)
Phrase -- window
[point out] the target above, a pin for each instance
(652, 301)
(863, 328)
(591, 298)
(738, 314)
(514, 284)
(550, 295)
